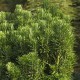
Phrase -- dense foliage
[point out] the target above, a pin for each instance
(36, 46)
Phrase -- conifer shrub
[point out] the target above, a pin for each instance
(29, 65)
(37, 46)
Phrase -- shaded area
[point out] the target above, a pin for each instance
(9, 5)
(76, 25)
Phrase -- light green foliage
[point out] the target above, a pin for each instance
(31, 66)
(39, 45)
(13, 70)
